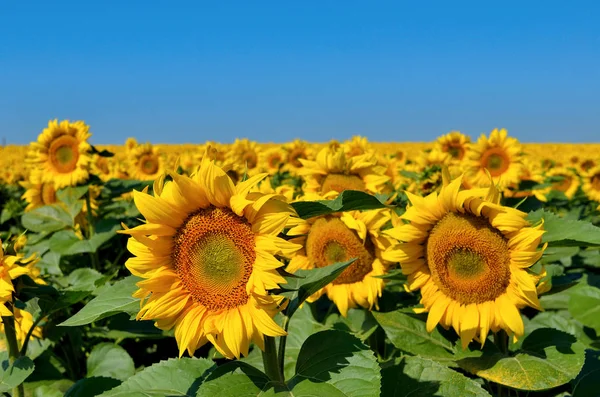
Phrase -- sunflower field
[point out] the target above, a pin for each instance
(460, 267)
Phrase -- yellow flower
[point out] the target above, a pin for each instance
(244, 157)
(334, 171)
(23, 323)
(38, 193)
(207, 256)
(500, 155)
(9, 270)
(296, 151)
(330, 239)
(454, 143)
(270, 160)
(568, 183)
(469, 256)
(62, 153)
(591, 183)
(145, 163)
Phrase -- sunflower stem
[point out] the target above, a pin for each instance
(282, 342)
(13, 346)
(270, 360)
(90, 220)
(501, 342)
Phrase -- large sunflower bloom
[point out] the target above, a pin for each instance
(334, 171)
(469, 256)
(9, 270)
(500, 155)
(206, 253)
(454, 143)
(330, 239)
(62, 153)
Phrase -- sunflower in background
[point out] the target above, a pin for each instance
(338, 238)
(357, 146)
(500, 155)
(591, 183)
(38, 193)
(565, 180)
(62, 153)
(470, 258)
(271, 160)
(23, 323)
(295, 152)
(334, 171)
(145, 162)
(243, 157)
(207, 257)
(455, 144)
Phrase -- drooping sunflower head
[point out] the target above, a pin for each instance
(330, 239)
(207, 255)
(591, 183)
(62, 153)
(454, 143)
(334, 171)
(470, 257)
(145, 162)
(499, 155)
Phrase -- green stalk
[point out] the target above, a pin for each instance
(270, 360)
(90, 219)
(13, 345)
(501, 341)
(28, 336)
(282, 342)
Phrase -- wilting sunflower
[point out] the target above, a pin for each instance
(62, 153)
(469, 256)
(591, 183)
(334, 171)
(38, 193)
(145, 163)
(23, 323)
(206, 253)
(500, 155)
(9, 270)
(330, 239)
(454, 143)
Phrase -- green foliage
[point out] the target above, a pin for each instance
(110, 360)
(346, 201)
(12, 375)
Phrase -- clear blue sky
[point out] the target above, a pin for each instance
(188, 71)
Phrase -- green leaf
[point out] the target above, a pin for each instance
(348, 200)
(12, 375)
(417, 376)
(564, 233)
(173, 377)
(116, 187)
(49, 218)
(71, 199)
(67, 243)
(114, 299)
(304, 283)
(110, 360)
(234, 379)
(101, 153)
(341, 360)
(48, 298)
(83, 279)
(560, 320)
(586, 383)
(91, 387)
(409, 334)
(584, 306)
(548, 358)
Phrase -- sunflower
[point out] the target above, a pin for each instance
(296, 151)
(566, 181)
(334, 171)
(500, 155)
(23, 323)
(591, 183)
(62, 153)
(207, 256)
(454, 143)
(431, 158)
(243, 157)
(469, 256)
(145, 163)
(271, 160)
(332, 238)
(130, 144)
(356, 146)
(9, 270)
(38, 193)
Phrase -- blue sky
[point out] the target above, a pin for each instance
(190, 71)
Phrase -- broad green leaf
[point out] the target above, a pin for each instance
(417, 376)
(304, 283)
(560, 320)
(47, 388)
(116, 187)
(91, 387)
(83, 279)
(12, 375)
(110, 360)
(67, 243)
(48, 298)
(358, 322)
(306, 388)
(112, 300)
(562, 232)
(49, 218)
(584, 306)
(409, 334)
(340, 359)
(50, 264)
(586, 383)
(348, 200)
(234, 379)
(548, 358)
(173, 377)
(70, 197)
(101, 153)
(121, 327)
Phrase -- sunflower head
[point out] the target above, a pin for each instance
(62, 153)
(591, 183)
(38, 193)
(454, 143)
(470, 257)
(145, 162)
(207, 253)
